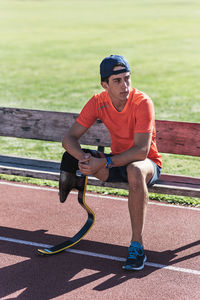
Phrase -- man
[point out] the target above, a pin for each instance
(129, 116)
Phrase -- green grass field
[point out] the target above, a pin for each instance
(50, 53)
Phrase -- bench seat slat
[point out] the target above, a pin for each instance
(160, 188)
(180, 178)
(157, 188)
(39, 174)
(21, 162)
(168, 184)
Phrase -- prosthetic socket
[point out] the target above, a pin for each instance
(68, 174)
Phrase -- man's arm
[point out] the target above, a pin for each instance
(70, 141)
(140, 150)
(71, 144)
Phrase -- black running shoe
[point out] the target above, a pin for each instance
(136, 257)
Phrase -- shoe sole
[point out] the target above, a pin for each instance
(130, 268)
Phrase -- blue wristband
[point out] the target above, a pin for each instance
(109, 163)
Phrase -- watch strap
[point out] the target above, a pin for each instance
(109, 163)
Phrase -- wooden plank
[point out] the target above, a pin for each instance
(29, 163)
(175, 190)
(168, 184)
(180, 179)
(172, 137)
(39, 174)
(27, 167)
(178, 137)
(160, 188)
(54, 166)
(157, 188)
(47, 125)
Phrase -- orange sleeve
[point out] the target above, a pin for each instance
(88, 115)
(145, 117)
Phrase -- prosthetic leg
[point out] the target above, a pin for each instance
(68, 181)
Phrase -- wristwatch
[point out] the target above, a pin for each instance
(109, 163)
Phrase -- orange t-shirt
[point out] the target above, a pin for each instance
(136, 117)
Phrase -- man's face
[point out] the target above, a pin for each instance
(118, 86)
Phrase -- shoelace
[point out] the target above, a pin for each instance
(134, 252)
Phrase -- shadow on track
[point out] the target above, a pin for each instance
(47, 277)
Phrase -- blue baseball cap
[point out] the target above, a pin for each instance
(108, 63)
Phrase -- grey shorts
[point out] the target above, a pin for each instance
(120, 174)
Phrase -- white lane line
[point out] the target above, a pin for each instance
(96, 196)
(104, 256)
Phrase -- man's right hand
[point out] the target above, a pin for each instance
(89, 165)
(85, 159)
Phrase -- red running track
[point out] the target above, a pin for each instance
(32, 216)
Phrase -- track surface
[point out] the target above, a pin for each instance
(32, 216)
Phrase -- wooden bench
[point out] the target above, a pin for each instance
(172, 137)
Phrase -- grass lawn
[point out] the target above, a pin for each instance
(50, 54)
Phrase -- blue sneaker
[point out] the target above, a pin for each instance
(136, 257)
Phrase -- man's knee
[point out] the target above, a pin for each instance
(136, 175)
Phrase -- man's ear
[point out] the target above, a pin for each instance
(104, 85)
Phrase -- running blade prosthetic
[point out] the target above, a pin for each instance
(80, 234)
